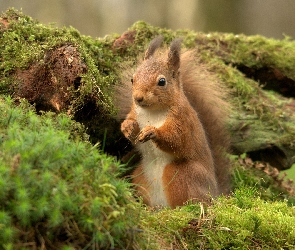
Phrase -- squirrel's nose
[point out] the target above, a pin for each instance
(138, 99)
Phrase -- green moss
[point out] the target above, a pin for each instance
(245, 221)
(264, 52)
(25, 41)
(54, 184)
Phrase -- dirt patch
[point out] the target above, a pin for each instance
(4, 23)
(48, 83)
(7, 18)
(121, 44)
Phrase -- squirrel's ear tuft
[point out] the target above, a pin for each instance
(174, 55)
(154, 44)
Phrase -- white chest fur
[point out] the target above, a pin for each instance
(154, 160)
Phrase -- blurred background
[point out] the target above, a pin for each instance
(97, 18)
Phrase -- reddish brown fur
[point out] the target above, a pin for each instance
(207, 97)
(192, 133)
(142, 186)
(177, 179)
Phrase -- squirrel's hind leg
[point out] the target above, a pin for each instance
(188, 181)
(141, 184)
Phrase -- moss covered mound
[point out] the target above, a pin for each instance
(56, 189)
(59, 70)
(243, 221)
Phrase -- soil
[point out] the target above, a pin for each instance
(122, 43)
(48, 83)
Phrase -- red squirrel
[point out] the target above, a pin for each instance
(177, 123)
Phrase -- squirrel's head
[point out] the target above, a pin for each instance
(155, 83)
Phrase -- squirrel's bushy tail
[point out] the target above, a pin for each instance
(207, 96)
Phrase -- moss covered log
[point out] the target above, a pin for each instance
(63, 71)
(57, 187)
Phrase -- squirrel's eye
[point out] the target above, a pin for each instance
(131, 80)
(162, 82)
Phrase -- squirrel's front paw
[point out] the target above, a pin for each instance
(130, 129)
(147, 133)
